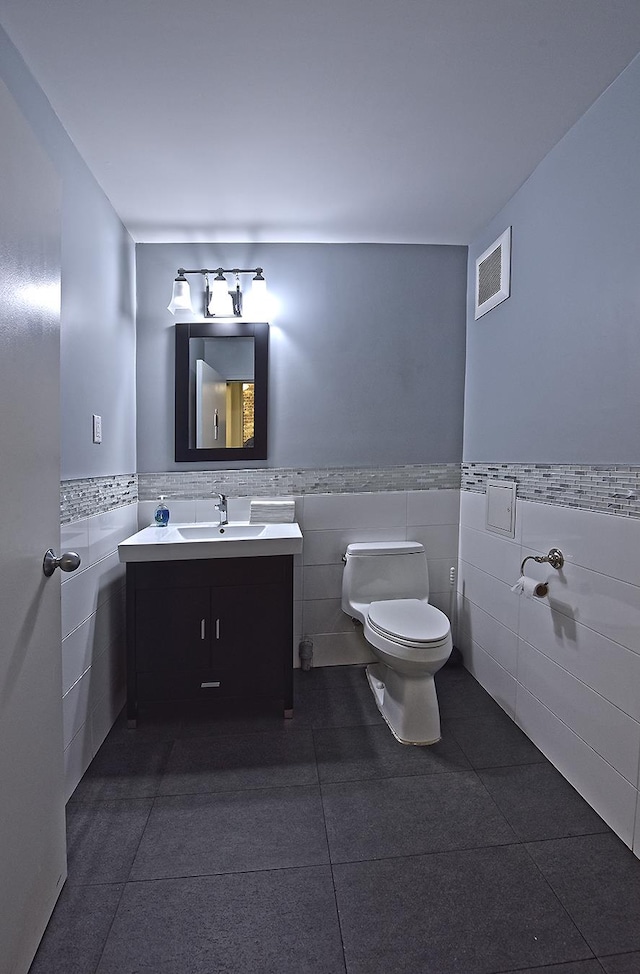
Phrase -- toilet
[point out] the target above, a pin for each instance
(385, 586)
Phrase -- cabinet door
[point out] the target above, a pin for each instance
(251, 632)
(172, 630)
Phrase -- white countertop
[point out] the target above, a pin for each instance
(184, 542)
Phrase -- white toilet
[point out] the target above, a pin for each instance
(385, 585)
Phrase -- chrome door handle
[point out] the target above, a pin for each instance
(67, 562)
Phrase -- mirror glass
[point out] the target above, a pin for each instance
(221, 379)
(221, 403)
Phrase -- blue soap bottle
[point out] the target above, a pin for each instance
(161, 517)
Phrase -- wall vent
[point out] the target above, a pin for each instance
(493, 274)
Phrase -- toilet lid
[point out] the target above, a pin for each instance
(384, 548)
(410, 619)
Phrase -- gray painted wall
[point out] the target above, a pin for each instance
(97, 339)
(553, 372)
(366, 352)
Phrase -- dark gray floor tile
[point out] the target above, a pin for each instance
(337, 706)
(460, 695)
(77, 931)
(409, 816)
(252, 761)
(124, 769)
(103, 838)
(371, 751)
(328, 677)
(280, 922)
(234, 718)
(621, 963)
(539, 803)
(598, 880)
(265, 828)
(471, 912)
(152, 728)
(493, 741)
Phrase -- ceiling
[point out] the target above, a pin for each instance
(401, 121)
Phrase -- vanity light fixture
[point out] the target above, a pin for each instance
(220, 301)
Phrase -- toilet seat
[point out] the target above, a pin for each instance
(409, 622)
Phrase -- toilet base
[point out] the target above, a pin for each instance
(409, 705)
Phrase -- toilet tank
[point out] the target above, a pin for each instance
(375, 571)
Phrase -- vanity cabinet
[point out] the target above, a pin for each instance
(208, 630)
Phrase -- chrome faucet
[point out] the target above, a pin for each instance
(222, 507)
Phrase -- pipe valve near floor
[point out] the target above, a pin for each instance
(305, 652)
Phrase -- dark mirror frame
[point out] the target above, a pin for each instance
(204, 329)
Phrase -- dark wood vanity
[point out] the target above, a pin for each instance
(209, 630)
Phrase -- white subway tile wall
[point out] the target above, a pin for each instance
(93, 647)
(565, 667)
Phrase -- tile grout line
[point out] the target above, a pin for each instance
(564, 909)
(326, 832)
(128, 879)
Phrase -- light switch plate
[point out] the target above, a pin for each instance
(97, 429)
(501, 507)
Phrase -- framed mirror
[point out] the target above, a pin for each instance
(221, 390)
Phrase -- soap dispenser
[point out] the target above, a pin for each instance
(161, 517)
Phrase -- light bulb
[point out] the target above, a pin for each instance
(219, 300)
(256, 300)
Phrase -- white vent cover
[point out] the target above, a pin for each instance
(493, 274)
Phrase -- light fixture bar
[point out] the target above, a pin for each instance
(214, 295)
(221, 270)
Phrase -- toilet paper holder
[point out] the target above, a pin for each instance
(555, 558)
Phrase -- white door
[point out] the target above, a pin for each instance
(32, 821)
(211, 407)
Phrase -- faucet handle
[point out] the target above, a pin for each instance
(222, 507)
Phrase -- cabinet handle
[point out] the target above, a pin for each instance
(202, 629)
(217, 629)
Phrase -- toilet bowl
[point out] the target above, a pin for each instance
(385, 586)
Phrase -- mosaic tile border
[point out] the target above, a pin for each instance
(281, 481)
(608, 489)
(95, 495)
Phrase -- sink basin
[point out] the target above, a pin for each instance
(185, 542)
(220, 532)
